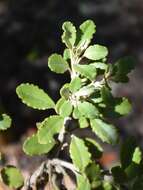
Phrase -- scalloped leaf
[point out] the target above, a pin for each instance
(88, 71)
(85, 34)
(12, 177)
(5, 122)
(57, 64)
(106, 132)
(34, 97)
(51, 126)
(32, 146)
(96, 52)
(69, 34)
(87, 110)
(77, 150)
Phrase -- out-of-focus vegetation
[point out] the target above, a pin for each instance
(29, 33)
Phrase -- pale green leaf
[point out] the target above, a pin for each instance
(66, 109)
(124, 107)
(69, 34)
(65, 91)
(12, 177)
(5, 122)
(87, 110)
(33, 147)
(75, 84)
(34, 97)
(83, 123)
(82, 182)
(85, 34)
(106, 132)
(66, 54)
(99, 65)
(51, 126)
(59, 104)
(96, 52)
(57, 64)
(88, 71)
(77, 150)
(137, 155)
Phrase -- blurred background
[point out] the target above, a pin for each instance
(30, 30)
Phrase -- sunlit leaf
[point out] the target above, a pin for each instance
(34, 97)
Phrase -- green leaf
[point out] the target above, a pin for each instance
(127, 151)
(32, 146)
(34, 97)
(93, 172)
(99, 65)
(96, 52)
(124, 107)
(51, 126)
(59, 104)
(12, 177)
(66, 54)
(82, 182)
(83, 123)
(57, 64)
(138, 184)
(87, 110)
(137, 156)
(76, 114)
(106, 132)
(107, 96)
(121, 69)
(69, 34)
(65, 91)
(77, 150)
(5, 122)
(94, 147)
(88, 71)
(75, 84)
(85, 34)
(66, 109)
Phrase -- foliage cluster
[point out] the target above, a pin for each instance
(81, 119)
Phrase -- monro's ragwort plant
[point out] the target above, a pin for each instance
(71, 138)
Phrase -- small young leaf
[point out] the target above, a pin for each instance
(75, 84)
(57, 64)
(5, 122)
(76, 113)
(82, 182)
(93, 172)
(69, 34)
(32, 146)
(34, 97)
(87, 110)
(107, 96)
(12, 177)
(66, 54)
(66, 109)
(106, 132)
(59, 103)
(83, 123)
(77, 150)
(137, 156)
(99, 65)
(85, 34)
(88, 71)
(124, 107)
(96, 52)
(65, 91)
(51, 126)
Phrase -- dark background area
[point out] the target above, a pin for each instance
(30, 30)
